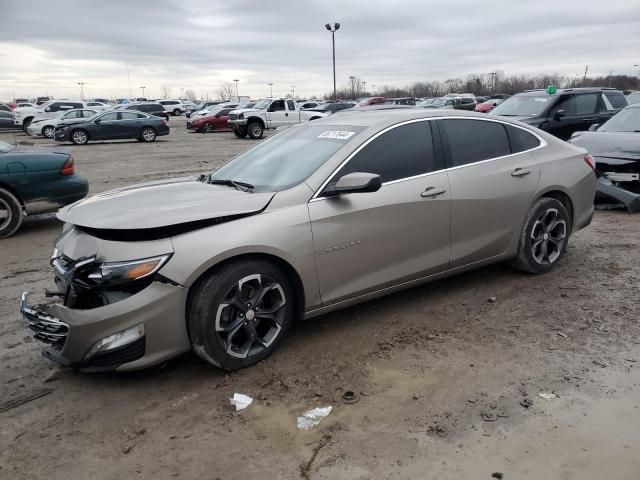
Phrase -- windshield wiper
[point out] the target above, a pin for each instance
(242, 186)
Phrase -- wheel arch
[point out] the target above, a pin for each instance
(563, 197)
(12, 191)
(256, 119)
(290, 271)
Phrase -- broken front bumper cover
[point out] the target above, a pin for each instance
(629, 200)
(140, 331)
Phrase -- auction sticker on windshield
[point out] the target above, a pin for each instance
(340, 134)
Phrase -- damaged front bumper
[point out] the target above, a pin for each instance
(615, 196)
(137, 332)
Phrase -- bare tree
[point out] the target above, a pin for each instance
(226, 91)
(190, 94)
(166, 91)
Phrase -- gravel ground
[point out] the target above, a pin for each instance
(446, 376)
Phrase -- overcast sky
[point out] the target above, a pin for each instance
(49, 46)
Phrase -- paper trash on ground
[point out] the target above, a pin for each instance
(548, 396)
(312, 418)
(240, 401)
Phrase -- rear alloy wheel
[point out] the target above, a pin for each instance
(148, 134)
(239, 313)
(79, 137)
(545, 236)
(207, 127)
(48, 131)
(10, 214)
(255, 130)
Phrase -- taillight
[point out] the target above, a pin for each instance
(68, 168)
(590, 161)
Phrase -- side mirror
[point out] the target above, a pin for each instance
(559, 114)
(48, 109)
(594, 127)
(356, 182)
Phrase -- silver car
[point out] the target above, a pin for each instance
(317, 217)
(45, 126)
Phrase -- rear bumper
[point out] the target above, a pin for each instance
(72, 335)
(65, 192)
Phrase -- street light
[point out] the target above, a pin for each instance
(143, 87)
(352, 79)
(81, 91)
(293, 91)
(364, 87)
(271, 90)
(237, 96)
(333, 30)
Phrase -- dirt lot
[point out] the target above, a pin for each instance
(447, 375)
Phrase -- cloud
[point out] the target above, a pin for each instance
(200, 44)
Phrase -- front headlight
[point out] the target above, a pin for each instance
(118, 273)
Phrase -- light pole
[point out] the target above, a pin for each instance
(333, 30)
(352, 79)
(181, 93)
(237, 96)
(364, 87)
(143, 87)
(293, 91)
(271, 90)
(81, 90)
(493, 81)
(638, 67)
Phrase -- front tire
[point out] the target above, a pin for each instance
(255, 130)
(239, 313)
(79, 137)
(10, 214)
(207, 127)
(544, 237)
(148, 134)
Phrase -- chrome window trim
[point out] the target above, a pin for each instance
(542, 144)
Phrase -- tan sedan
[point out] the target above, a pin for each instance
(315, 218)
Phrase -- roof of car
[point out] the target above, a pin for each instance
(538, 91)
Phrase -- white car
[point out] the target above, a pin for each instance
(173, 107)
(22, 117)
(45, 126)
(99, 106)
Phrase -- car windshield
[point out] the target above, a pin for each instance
(262, 104)
(6, 147)
(524, 105)
(428, 101)
(441, 102)
(287, 158)
(626, 120)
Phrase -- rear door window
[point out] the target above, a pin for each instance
(108, 117)
(615, 99)
(473, 141)
(128, 116)
(402, 152)
(277, 106)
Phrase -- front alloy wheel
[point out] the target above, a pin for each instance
(239, 313)
(255, 130)
(207, 127)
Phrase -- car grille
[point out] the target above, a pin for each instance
(233, 116)
(45, 327)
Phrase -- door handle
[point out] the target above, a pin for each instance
(432, 192)
(520, 172)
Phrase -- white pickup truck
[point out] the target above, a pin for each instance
(268, 114)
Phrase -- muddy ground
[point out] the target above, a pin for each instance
(446, 377)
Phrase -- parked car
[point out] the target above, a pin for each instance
(45, 126)
(150, 108)
(306, 105)
(633, 97)
(400, 101)
(97, 105)
(370, 101)
(332, 107)
(42, 100)
(455, 103)
(313, 219)
(200, 106)
(22, 116)
(425, 103)
(210, 110)
(481, 99)
(34, 181)
(216, 120)
(269, 113)
(5, 108)
(6, 120)
(173, 107)
(563, 111)
(615, 146)
(488, 105)
(113, 125)
(23, 105)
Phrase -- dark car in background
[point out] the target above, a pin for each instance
(33, 181)
(331, 107)
(151, 108)
(615, 146)
(113, 125)
(455, 103)
(6, 120)
(365, 102)
(563, 111)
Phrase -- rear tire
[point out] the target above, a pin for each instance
(544, 237)
(25, 124)
(177, 112)
(255, 130)
(48, 131)
(239, 313)
(79, 137)
(10, 213)
(148, 134)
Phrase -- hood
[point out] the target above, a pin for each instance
(162, 203)
(623, 145)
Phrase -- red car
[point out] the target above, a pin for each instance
(365, 102)
(214, 121)
(486, 107)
